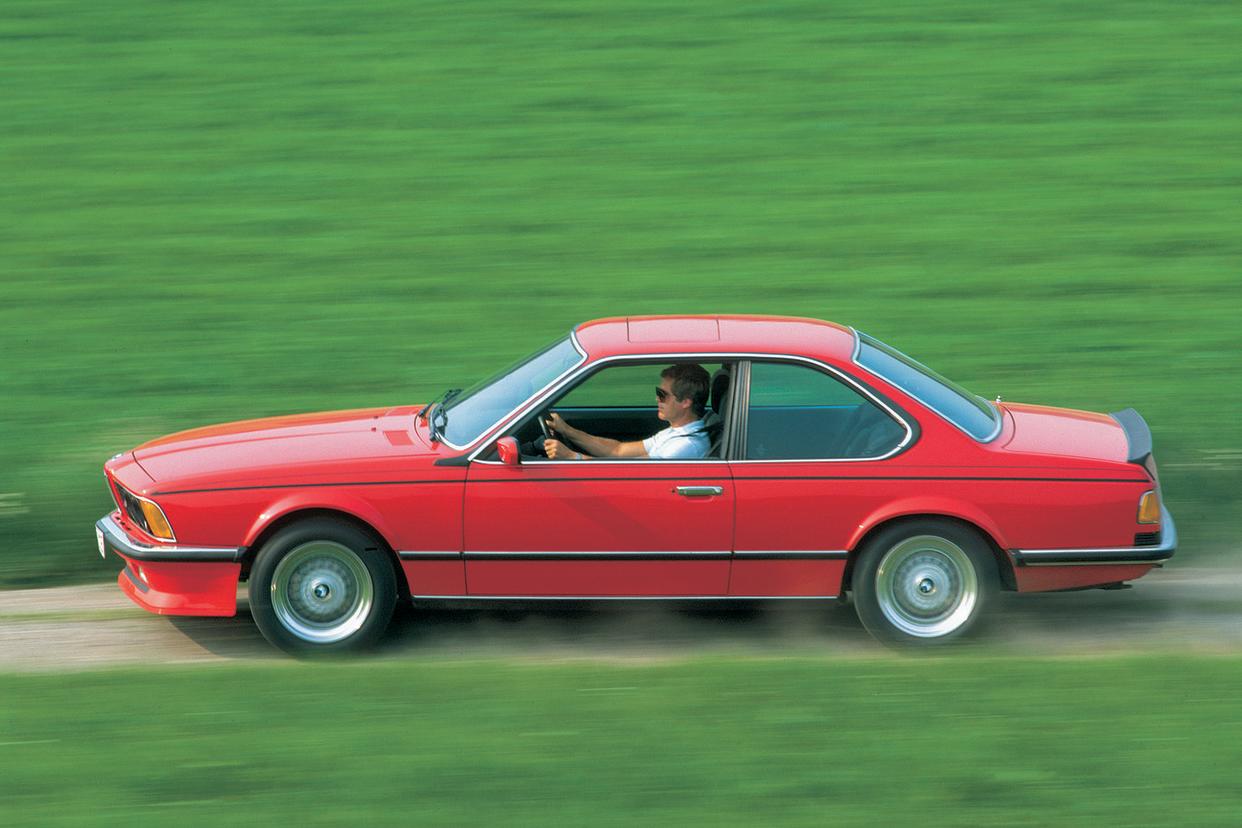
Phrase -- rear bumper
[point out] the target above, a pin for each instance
(174, 580)
(1113, 556)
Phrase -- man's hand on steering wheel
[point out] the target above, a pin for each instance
(552, 422)
(556, 450)
(555, 444)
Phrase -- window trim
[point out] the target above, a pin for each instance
(888, 406)
(734, 443)
(583, 374)
(854, 358)
(485, 434)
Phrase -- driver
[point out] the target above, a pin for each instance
(681, 399)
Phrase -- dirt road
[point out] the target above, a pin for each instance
(91, 626)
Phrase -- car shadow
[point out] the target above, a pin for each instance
(235, 637)
(621, 629)
(654, 629)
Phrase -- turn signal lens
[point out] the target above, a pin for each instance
(1149, 508)
(157, 524)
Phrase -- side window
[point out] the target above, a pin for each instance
(798, 412)
(620, 386)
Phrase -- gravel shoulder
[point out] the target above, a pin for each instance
(1174, 611)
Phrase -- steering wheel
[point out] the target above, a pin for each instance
(549, 434)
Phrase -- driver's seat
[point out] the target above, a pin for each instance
(714, 420)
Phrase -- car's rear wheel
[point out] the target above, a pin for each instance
(322, 586)
(925, 582)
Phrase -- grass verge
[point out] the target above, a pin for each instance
(944, 741)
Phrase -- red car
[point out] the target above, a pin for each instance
(819, 461)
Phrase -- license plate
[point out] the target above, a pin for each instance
(99, 540)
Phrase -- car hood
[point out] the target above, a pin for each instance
(1064, 432)
(334, 445)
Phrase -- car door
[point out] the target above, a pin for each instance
(808, 467)
(598, 528)
(605, 528)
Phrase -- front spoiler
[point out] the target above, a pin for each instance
(174, 580)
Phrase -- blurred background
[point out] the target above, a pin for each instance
(222, 210)
(213, 210)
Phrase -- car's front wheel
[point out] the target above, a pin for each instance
(322, 586)
(924, 582)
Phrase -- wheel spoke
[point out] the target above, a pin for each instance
(322, 592)
(927, 586)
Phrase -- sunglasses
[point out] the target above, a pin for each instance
(661, 394)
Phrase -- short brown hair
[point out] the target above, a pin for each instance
(690, 382)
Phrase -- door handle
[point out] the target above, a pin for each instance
(699, 491)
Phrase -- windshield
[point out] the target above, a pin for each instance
(970, 413)
(483, 405)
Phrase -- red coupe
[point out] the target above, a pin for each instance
(778, 458)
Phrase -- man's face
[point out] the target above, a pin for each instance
(668, 407)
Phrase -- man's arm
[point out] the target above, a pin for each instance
(590, 444)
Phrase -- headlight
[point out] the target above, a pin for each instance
(146, 514)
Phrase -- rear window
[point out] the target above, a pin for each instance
(969, 412)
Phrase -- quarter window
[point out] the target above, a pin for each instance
(801, 413)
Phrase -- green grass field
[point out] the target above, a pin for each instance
(936, 742)
(217, 210)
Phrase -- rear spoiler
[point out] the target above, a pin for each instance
(1138, 435)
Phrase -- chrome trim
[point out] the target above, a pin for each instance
(573, 337)
(611, 553)
(1107, 555)
(699, 491)
(597, 462)
(121, 542)
(625, 597)
(1110, 562)
(1000, 417)
(585, 366)
(792, 553)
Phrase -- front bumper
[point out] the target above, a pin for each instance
(130, 547)
(174, 580)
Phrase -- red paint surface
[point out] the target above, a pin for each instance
(1048, 578)
(597, 508)
(786, 578)
(1053, 478)
(183, 588)
(435, 577)
(599, 578)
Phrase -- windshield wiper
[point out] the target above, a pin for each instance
(440, 401)
(445, 397)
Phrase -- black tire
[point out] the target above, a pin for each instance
(924, 583)
(321, 586)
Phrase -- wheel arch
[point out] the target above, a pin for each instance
(1004, 566)
(261, 535)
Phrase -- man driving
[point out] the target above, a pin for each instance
(681, 400)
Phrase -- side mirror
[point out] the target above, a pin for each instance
(510, 455)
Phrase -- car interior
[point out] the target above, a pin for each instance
(793, 412)
(618, 402)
